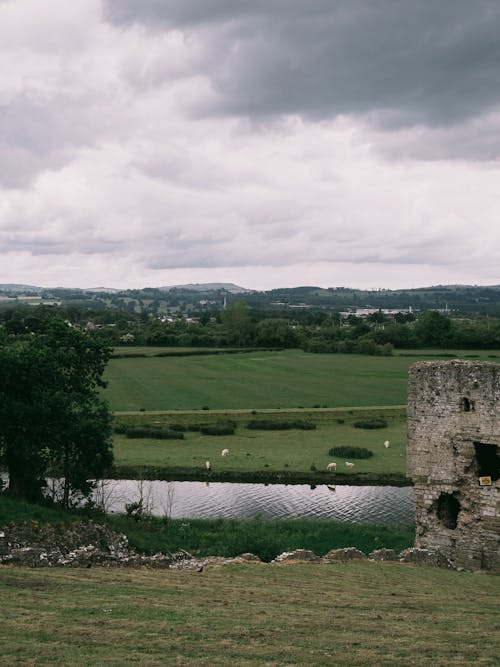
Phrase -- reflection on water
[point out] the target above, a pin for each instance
(203, 500)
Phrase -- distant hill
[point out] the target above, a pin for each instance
(208, 287)
(20, 288)
(196, 297)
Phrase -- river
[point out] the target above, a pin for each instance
(207, 500)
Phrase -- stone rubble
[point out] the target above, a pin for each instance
(84, 544)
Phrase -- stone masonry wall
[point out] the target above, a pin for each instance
(453, 440)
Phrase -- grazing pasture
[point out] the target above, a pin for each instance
(287, 379)
(358, 614)
(275, 451)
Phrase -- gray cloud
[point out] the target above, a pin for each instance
(404, 62)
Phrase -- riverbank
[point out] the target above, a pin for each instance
(181, 474)
(221, 537)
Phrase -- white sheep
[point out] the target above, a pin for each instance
(225, 452)
(207, 465)
(386, 444)
(331, 467)
(349, 464)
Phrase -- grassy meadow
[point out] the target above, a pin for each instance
(288, 379)
(258, 380)
(357, 614)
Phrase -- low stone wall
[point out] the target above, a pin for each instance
(85, 544)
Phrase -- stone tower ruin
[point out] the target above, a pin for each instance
(453, 459)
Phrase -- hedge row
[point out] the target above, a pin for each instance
(376, 422)
(270, 425)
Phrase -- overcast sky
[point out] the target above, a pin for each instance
(269, 143)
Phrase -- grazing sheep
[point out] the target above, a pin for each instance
(386, 444)
(331, 467)
(207, 465)
(349, 464)
(225, 452)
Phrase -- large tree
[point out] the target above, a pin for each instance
(52, 417)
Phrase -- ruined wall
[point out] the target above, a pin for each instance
(453, 441)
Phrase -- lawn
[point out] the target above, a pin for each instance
(272, 451)
(287, 379)
(357, 614)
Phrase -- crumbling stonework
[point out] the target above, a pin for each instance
(453, 460)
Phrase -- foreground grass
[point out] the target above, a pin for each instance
(222, 537)
(368, 614)
(287, 379)
(271, 451)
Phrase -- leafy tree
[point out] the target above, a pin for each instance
(432, 328)
(237, 324)
(276, 332)
(52, 419)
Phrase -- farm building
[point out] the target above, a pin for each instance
(453, 460)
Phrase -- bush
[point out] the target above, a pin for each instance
(349, 452)
(221, 428)
(375, 422)
(270, 425)
(152, 432)
(339, 420)
(180, 428)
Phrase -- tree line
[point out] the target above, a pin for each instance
(238, 325)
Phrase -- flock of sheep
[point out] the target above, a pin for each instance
(331, 467)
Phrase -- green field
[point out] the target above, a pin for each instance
(272, 451)
(287, 379)
(166, 389)
(357, 614)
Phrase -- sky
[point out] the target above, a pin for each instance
(270, 143)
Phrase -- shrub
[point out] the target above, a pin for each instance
(181, 428)
(205, 407)
(375, 422)
(220, 428)
(270, 425)
(349, 452)
(153, 432)
(339, 420)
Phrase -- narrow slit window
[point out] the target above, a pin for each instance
(466, 405)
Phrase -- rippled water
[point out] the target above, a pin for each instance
(203, 500)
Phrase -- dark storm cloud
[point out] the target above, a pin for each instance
(401, 62)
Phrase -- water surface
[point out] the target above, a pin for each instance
(209, 500)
